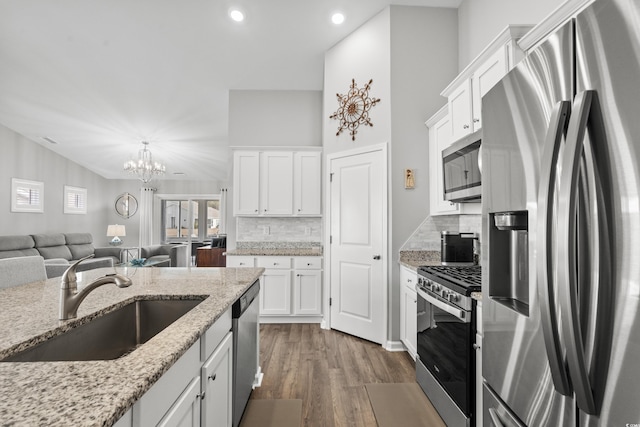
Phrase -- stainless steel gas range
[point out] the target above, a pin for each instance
(445, 366)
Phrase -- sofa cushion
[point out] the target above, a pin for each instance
(79, 244)
(17, 246)
(52, 246)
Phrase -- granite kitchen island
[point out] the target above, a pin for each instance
(100, 392)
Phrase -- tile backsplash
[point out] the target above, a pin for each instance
(427, 235)
(279, 231)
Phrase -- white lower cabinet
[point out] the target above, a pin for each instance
(196, 390)
(217, 386)
(185, 412)
(290, 287)
(408, 310)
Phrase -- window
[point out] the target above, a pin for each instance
(75, 200)
(198, 219)
(27, 196)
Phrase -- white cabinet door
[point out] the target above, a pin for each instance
(246, 181)
(185, 412)
(217, 384)
(460, 111)
(276, 172)
(275, 292)
(307, 292)
(408, 310)
(484, 78)
(239, 261)
(306, 183)
(439, 139)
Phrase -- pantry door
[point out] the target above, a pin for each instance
(358, 230)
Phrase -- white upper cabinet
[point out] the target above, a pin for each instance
(439, 139)
(464, 94)
(276, 182)
(306, 183)
(246, 182)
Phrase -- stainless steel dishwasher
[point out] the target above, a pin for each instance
(245, 348)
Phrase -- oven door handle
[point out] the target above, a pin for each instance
(459, 314)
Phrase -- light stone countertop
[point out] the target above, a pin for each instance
(415, 259)
(94, 393)
(275, 252)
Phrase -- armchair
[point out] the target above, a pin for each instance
(177, 254)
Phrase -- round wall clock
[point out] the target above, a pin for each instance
(126, 205)
(353, 108)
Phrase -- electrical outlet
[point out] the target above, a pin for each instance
(265, 230)
(307, 231)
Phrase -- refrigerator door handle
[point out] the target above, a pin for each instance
(567, 263)
(495, 418)
(550, 328)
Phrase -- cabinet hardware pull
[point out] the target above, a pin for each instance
(298, 275)
(376, 257)
(465, 127)
(213, 377)
(200, 396)
(308, 264)
(476, 120)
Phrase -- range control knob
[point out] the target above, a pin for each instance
(453, 297)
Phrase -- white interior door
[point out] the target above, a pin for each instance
(357, 215)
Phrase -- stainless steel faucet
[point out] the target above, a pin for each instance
(70, 298)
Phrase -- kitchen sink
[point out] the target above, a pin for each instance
(110, 336)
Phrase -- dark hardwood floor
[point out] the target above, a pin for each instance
(328, 371)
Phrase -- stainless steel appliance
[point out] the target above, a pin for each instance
(561, 226)
(461, 169)
(244, 325)
(457, 248)
(445, 366)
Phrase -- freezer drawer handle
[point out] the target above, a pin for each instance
(549, 320)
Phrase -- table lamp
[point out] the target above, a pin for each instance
(114, 231)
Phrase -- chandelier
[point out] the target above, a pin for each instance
(145, 168)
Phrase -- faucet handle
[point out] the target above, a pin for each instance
(69, 276)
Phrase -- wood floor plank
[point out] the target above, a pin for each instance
(328, 371)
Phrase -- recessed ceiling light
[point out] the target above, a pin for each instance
(337, 18)
(236, 15)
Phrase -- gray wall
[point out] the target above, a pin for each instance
(271, 118)
(22, 158)
(411, 55)
(480, 21)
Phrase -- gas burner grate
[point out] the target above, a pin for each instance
(464, 276)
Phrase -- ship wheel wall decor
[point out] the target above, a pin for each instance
(353, 108)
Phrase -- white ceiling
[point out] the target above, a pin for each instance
(100, 76)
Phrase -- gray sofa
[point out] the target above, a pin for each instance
(59, 251)
(177, 254)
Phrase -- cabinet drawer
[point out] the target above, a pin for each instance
(214, 335)
(274, 262)
(408, 278)
(307, 263)
(239, 261)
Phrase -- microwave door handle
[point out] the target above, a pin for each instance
(549, 320)
(567, 262)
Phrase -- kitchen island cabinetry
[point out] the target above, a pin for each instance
(408, 310)
(276, 182)
(160, 382)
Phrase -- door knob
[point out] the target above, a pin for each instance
(376, 257)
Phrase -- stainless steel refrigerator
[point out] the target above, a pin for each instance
(561, 228)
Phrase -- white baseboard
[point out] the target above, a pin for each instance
(394, 346)
(257, 382)
(290, 319)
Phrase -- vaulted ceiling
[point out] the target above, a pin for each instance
(100, 76)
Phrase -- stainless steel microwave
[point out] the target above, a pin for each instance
(461, 169)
